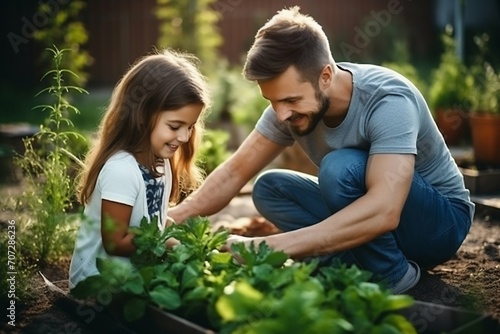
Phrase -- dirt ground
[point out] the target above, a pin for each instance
(471, 280)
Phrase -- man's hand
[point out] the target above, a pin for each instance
(234, 239)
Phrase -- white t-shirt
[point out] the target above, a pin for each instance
(120, 180)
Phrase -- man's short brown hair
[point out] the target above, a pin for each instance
(288, 38)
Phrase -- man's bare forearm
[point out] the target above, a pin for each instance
(226, 181)
(215, 193)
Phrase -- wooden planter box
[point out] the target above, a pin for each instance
(426, 317)
(165, 322)
(434, 318)
(482, 182)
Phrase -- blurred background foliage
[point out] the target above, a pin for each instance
(196, 26)
(66, 31)
(190, 25)
(400, 61)
(200, 27)
(451, 82)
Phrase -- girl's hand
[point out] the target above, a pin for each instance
(169, 221)
(171, 242)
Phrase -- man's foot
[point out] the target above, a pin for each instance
(409, 280)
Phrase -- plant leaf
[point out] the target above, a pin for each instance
(134, 309)
(165, 297)
(89, 287)
(135, 285)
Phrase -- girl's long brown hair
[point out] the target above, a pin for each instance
(166, 80)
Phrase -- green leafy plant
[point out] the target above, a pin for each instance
(66, 30)
(236, 96)
(486, 89)
(20, 289)
(183, 281)
(450, 81)
(48, 231)
(213, 150)
(191, 26)
(340, 299)
(265, 293)
(246, 102)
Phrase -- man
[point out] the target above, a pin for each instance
(388, 197)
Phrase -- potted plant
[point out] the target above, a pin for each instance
(449, 92)
(485, 115)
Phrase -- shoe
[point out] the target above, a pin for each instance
(409, 280)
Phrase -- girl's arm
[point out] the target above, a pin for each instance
(115, 218)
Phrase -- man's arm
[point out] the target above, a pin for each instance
(226, 180)
(388, 180)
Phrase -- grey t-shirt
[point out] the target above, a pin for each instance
(387, 114)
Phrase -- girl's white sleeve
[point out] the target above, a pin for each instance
(118, 182)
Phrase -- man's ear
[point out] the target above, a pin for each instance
(326, 76)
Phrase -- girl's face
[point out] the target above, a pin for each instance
(172, 129)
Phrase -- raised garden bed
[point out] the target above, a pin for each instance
(484, 186)
(482, 182)
(434, 318)
(427, 318)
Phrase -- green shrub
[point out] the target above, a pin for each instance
(190, 26)
(47, 230)
(213, 150)
(20, 266)
(66, 30)
(450, 82)
(246, 101)
(235, 97)
(485, 94)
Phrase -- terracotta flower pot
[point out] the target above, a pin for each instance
(485, 129)
(453, 124)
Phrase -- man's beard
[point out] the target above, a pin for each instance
(315, 117)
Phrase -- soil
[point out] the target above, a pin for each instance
(470, 280)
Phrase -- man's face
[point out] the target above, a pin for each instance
(295, 101)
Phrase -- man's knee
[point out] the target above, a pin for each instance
(342, 177)
(264, 183)
(335, 163)
(265, 178)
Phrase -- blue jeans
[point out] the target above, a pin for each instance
(431, 229)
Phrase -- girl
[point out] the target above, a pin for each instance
(144, 156)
